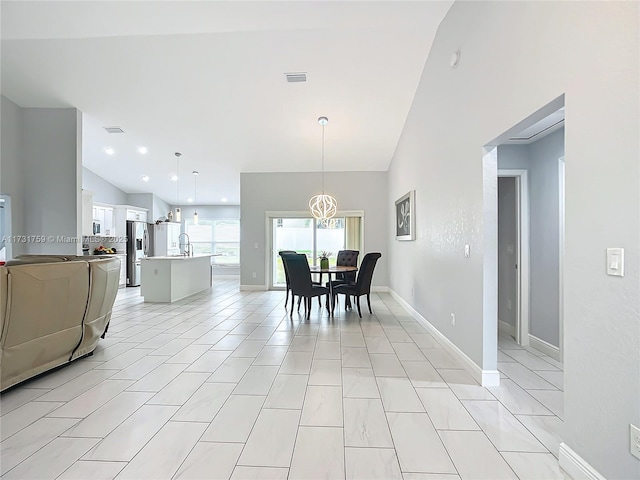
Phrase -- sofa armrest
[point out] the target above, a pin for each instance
(104, 277)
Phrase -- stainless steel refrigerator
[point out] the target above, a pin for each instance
(139, 245)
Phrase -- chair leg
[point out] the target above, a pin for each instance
(286, 299)
(299, 300)
(358, 304)
(293, 303)
(319, 301)
(369, 303)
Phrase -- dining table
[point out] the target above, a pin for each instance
(332, 270)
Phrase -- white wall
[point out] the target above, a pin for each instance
(515, 58)
(41, 170)
(160, 208)
(212, 211)
(11, 169)
(156, 207)
(262, 192)
(103, 191)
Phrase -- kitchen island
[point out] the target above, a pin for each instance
(172, 278)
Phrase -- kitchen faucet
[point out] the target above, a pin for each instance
(188, 250)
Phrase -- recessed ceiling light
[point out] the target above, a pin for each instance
(189, 199)
(142, 150)
(109, 151)
(145, 178)
(223, 199)
(174, 177)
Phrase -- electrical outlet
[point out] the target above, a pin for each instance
(467, 251)
(254, 275)
(453, 319)
(634, 440)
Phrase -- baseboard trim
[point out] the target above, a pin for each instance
(506, 328)
(575, 465)
(380, 289)
(486, 378)
(544, 347)
(253, 288)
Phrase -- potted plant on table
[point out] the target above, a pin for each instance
(324, 259)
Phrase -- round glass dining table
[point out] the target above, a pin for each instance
(331, 271)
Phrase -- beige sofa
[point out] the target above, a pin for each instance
(53, 309)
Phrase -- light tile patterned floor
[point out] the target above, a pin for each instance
(226, 385)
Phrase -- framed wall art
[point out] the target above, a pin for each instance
(405, 217)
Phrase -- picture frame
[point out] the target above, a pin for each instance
(405, 217)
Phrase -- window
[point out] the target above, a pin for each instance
(220, 237)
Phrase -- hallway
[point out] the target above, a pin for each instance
(226, 385)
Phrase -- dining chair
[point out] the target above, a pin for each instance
(346, 258)
(286, 273)
(362, 285)
(301, 284)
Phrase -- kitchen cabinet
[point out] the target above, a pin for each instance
(166, 239)
(136, 215)
(104, 215)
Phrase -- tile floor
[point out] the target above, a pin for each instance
(226, 385)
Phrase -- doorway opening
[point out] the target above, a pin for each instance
(513, 254)
(529, 220)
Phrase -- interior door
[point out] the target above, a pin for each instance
(508, 255)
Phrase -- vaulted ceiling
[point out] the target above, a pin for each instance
(207, 79)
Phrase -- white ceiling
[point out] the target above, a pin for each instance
(207, 79)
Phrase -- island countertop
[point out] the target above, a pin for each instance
(167, 279)
(177, 257)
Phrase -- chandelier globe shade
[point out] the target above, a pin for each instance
(323, 206)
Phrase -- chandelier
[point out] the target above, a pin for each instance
(322, 206)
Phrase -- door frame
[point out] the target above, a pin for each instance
(522, 259)
(561, 217)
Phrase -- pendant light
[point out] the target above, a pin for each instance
(176, 216)
(195, 204)
(322, 206)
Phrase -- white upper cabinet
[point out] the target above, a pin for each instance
(136, 215)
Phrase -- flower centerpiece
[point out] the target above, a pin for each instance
(324, 259)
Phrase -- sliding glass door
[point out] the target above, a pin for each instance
(304, 235)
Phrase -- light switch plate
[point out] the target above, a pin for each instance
(467, 251)
(615, 262)
(634, 440)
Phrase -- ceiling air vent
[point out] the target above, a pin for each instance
(114, 130)
(296, 77)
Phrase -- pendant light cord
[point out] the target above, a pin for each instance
(323, 159)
